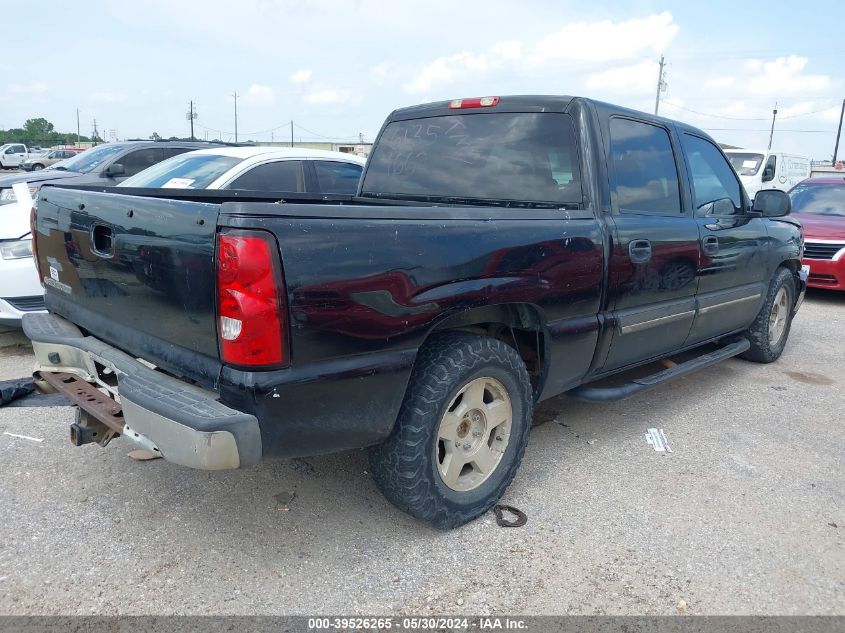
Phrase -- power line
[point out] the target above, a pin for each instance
(736, 118)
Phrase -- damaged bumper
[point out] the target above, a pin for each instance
(188, 425)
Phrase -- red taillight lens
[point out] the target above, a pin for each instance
(33, 233)
(251, 304)
(475, 102)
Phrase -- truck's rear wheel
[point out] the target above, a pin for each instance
(461, 431)
(770, 330)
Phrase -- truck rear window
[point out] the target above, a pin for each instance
(520, 157)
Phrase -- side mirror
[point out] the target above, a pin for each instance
(772, 203)
(115, 169)
(768, 174)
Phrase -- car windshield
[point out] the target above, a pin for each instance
(746, 164)
(819, 199)
(497, 158)
(91, 159)
(186, 171)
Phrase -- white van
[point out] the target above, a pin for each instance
(761, 169)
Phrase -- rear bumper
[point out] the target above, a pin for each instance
(188, 425)
(826, 273)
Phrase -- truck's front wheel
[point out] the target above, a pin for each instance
(770, 329)
(461, 430)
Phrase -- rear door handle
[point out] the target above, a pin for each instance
(710, 245)
(639, 251)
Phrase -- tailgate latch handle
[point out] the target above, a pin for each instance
(102, 240)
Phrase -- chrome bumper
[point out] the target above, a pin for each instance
(186, 424)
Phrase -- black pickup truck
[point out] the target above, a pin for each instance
(499, 251)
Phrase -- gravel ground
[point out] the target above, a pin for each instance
(745, 516)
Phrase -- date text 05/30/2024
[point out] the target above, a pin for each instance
(416, 624)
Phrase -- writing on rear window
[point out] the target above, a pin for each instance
(522, 157)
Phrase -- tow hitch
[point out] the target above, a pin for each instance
(99, 418)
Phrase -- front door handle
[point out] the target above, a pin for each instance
(710, 245)
(639, 251)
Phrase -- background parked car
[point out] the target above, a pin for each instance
(105, 165)
(20, 289)
(256, 169)
(12, 155)
(40, 161)
(819, 203)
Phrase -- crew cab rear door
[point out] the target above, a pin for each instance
(654, 242)
(734, 251)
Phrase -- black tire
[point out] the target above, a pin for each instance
(405, 466)
(763, 349)
(37, 167)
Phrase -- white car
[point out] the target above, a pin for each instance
(20, 288)
(273, 169)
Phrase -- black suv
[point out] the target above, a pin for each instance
(106, 165)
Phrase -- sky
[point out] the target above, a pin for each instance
(336, 68)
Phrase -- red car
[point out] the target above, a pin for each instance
(819, 203)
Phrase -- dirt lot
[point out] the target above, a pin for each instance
(745, 516)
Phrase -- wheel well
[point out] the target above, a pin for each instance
(518, 325)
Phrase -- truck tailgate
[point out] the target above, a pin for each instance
(118, 264)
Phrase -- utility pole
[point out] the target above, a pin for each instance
(774, 116)
(77, 126)
(661, 85)
(191, 116)
(291, 133)
(236, 116)
(838, 133)
(96, 133)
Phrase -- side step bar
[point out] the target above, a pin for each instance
(638, 385)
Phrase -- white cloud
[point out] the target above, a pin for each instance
(260, 96)
(511, 49)
(582, 43)
(446, 70)
(636, 79)
(107, 97)
(380, 73)
(608, 41)
(720, 83)
(301, 76)
(328, 97)
(784, 76)
(36, 87)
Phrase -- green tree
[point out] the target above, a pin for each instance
(38, 129)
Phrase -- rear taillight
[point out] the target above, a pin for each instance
(33, 233)
(475, 102)
(251, 306)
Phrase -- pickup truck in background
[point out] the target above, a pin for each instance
(498, 252)
(12, 155)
